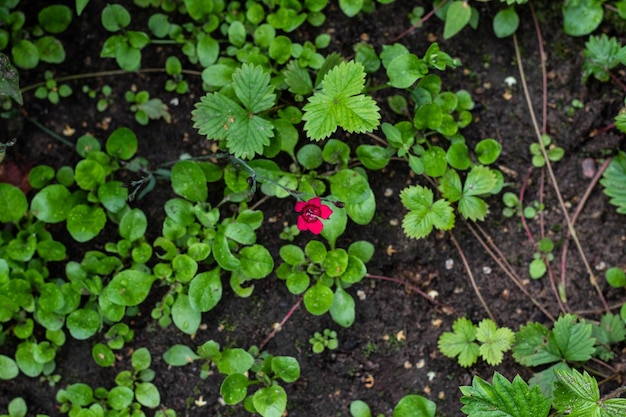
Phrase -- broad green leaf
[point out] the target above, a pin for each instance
(122, 143)
(13, 203)
(581, 17)
(234, 388)
(129, 287)
(115, 17)
(79, 394)
(256, 261)
(503, 398)
(147, 394)
(532, 347)
(113, 195)
(457, 17)
(286, 368)
(252, 87)
(51, 204)
(83, 323)
(188, 181)
(340, 103)
(223, 255)
(120, 397)
(318, 299)
(270, 401)
(414, 406)
(405, 69)
(480, 180)
(179, 355)
(24, 357)
(205, 290)
(85, 222)
(505, 22)
(8, 368)
(185, 317)
(342, 310)
(133, 225)
(234, 360)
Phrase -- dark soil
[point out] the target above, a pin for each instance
(391, 350)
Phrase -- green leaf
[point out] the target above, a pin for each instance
(25, 54)
(414, 406)
(115, 17)
(55, 18)
(340, 103)
(9, 80)
(581, 17)
(270, 401)
(318, 299)
(404, 69)
(577, 395)
(574, 338)
(234, 388)
(129, 287)
(13, 203)
(120, 397)
(147, 394)
(351, 7)
(423, 213)
(614, 182)
(286, 368)
(8, 368)
(205, 290)
(83, 323)
(480, 180)
(122, 143)
(188, 181)
(219, 117)
(17, 407)
(457, 17)
(51, 204)
(185, 317)
(234, 360)
(494, 341)
(532, 346)
(503, 398)
(85, 222)
(460, 342)
(360, 408)
(179, 355)
(342, 310)
(505, 22)
(256, 261)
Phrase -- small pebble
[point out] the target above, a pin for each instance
(388, 192)
(589, 167)
(486, 270)
(449, 264)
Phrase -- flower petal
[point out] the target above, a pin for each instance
(315, 201)
(316, 227)
(300, 206)
(325, 212)
(303, 225)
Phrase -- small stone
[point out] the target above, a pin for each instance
(388, 192)
(486, 270)
(449, 264)
(588, 167)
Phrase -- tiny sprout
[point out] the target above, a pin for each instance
(325, 340)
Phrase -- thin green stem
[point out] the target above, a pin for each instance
(51, 133)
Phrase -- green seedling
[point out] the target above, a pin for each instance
(409, 405)
(315, 271)
(51, 90)
(601, 55)
(17, 407)
(581, 17)
(174, 69)
(243, 369)
(125, 47)
(514, 207)
(461, 342)
(539, 265)
(575, 105)
(325, 340)
(105, 99)
(146, 108)
(554, 152)
(133, 391)
(29, 46)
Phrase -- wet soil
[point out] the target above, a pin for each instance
(391, 350)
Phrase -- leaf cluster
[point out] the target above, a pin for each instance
(601, 55)
(463, 342)
(243, 369)
(323, 276)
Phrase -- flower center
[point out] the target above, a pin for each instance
(311, 213)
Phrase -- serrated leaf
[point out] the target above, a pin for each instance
(503, 398)
(494, 341)
(340, 103)
(460, 342)
(576, 394)
(532, 346)
(480, 180)
(253, 89)
(424, 214)
(473, 208)
(614, 182)
(574, 339)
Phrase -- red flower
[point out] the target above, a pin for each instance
(312, 211)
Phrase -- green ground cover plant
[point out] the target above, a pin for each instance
(267, 99)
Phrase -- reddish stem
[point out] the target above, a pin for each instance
(281, 324)
(420, 23)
